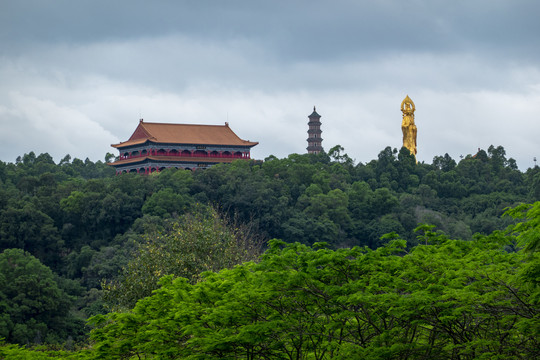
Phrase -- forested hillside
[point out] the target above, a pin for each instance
(85, 242)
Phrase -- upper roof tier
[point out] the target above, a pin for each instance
(314, 114)
(184, 134)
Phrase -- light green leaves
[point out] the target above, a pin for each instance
(447, 299)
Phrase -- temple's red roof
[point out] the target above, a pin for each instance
(184, 134)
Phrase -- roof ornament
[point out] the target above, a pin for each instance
(141, 120)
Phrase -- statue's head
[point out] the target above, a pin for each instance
(407, 106)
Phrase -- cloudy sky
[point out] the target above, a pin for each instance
(75, 76)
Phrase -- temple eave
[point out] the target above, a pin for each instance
(195, 159)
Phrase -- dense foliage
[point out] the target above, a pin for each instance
(453, 299)
(89, 228)
(33, 305)
(196, 242)
(444, 299)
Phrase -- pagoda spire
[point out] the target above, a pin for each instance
(314, 133)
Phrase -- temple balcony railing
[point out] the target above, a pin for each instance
(187, 155)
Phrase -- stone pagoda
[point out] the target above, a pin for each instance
(314, 133)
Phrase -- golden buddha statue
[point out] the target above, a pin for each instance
(407, 125)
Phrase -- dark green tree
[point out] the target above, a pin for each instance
(196, 242)
(27, 228)
(33, 308)
(444, 163)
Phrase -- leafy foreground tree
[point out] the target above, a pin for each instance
(17, 352)
(443, 299)
(449, 299)
(194, 243)
(33, 307)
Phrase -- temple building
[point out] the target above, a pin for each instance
(156, 146)
(314, 133)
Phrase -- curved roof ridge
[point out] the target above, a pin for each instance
(185, 134)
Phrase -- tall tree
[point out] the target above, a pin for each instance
(200, 241)
(33, 308)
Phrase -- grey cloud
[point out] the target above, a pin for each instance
(262, 65)
(292, 30)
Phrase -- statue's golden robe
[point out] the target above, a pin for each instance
(407, 125)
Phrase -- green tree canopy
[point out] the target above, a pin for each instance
(450, 299)
(196, 242)
(33, 308)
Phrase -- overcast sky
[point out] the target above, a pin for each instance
(76, 76)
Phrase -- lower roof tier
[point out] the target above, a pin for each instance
(172, 159)
(147, 165)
